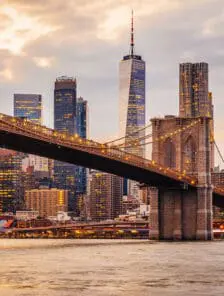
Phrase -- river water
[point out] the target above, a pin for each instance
(110, 267)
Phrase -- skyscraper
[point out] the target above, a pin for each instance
(193, 93)
(132, 98)
(82, 131)
(30, 106)
(10, 168)
(65, 121)
(105, 196)
(194, 97)
(132, 105)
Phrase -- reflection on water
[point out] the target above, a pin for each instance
(107, 267)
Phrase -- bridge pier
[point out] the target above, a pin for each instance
(178, 214)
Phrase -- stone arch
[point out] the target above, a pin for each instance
(169, 153)
(189, 155)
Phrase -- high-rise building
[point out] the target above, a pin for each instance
(65, 121)
(105, 198)
(82, 131)
(193, 93)
(10, 168)
(132, 105)
(195, 100)
(47, 201)
(132, 98)
(30, 106)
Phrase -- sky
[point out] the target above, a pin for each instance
(44, 39)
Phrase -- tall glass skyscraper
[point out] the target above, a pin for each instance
(194, 94)
(30, 106)
(10, 172)
(65, 121)
(132, 98)
(132, 105)
(82, 131)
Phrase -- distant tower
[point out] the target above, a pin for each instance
(194, 97)
(105, 196)
(29, 106)
(132, 97)
(82, 126)
(132, 105)
(65, 121)
(10, 173)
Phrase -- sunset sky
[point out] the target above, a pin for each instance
(41, 40)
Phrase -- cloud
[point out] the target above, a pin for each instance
(44, 62)
(20, 29)
(6, 74)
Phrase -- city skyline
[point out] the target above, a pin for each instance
(50, 54)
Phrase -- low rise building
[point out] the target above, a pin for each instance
(47, 201)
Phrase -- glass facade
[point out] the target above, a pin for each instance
(65, 121)
(82, 131)
(132, 101)
(28, 106)
(132, 110)
(194, 97)
(10, 169)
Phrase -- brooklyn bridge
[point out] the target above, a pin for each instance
(178, 175)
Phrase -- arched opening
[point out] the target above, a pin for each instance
(189, 156)
(169, 154)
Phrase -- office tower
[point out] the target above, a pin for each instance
(132, 98)
(47, 201)
(30, 106)
(105, 196)
(10, 168)
(82, 131)
(193, 90)
(195, 100)
(132, 106)
(65, 121)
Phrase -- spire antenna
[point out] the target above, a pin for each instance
(132, 34)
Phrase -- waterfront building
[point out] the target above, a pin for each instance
(47, 201)
(132, 105)
(26, 215)
(82, 126)
(105, 199)
(10, 169)
(65, 121)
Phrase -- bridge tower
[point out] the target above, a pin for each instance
(185, 213)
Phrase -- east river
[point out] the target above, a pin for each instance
(110, 267)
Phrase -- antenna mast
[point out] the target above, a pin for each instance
(132, 34)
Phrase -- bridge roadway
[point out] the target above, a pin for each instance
(25, 136)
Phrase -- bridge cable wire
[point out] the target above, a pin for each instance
(130, 134)
(219, 152)
(161, 138)
(132, 141)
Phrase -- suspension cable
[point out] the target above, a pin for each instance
(133, 141)
(219, 152)
(128, 135)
